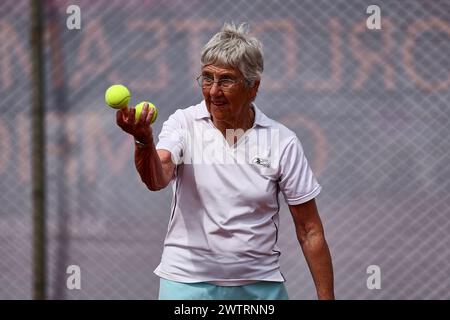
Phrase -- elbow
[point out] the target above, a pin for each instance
(154, 186)
(152, 183)
(312, 239)
(155, 182)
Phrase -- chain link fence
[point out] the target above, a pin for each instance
(371, 108)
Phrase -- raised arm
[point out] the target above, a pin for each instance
(155, 167)
(311, 237)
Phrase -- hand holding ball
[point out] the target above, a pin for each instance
(117, 96)
(139, 108)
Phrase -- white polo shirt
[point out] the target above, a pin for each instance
(224, 222)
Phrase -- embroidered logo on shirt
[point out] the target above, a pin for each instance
(261, 162)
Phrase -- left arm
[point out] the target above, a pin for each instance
(311, 237)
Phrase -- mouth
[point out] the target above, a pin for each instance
(219, 104)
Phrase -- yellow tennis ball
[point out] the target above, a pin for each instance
(139, 110)
(117, 96)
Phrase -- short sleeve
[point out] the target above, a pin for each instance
(171, 137)
(296, 181)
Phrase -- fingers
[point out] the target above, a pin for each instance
(148, 119)
(131, 116)
(123, 117)
(144, 114)
(119, 117)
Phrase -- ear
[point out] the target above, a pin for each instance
(254, 89)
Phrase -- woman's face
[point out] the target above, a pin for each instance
(227, 104)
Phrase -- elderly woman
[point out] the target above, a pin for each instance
(221, 242)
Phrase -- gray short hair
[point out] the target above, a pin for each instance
(233, 46)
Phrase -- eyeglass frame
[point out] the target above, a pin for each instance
(218, 83)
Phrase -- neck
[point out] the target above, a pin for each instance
(236, 127)
(243, 121)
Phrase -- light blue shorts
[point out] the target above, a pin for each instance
(262, 290)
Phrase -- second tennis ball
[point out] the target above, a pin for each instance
(117, 96)
(139, 110)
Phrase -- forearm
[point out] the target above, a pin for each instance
(317, 255)
(149, 167)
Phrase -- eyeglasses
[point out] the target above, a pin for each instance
(225, 84)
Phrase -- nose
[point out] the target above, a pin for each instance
(215, 90)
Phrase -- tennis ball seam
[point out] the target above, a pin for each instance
(121, 102)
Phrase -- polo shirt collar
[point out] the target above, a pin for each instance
(260, 118)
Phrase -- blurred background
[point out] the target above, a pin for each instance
(371, 107)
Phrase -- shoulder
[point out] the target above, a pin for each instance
(284, 135)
